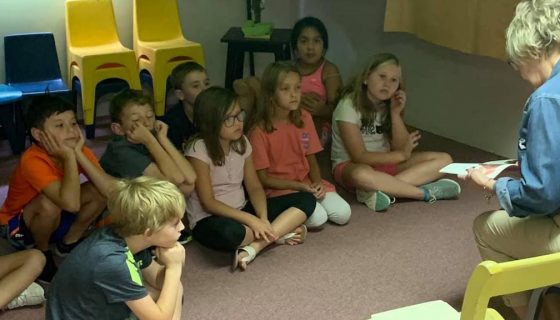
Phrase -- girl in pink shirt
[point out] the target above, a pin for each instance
(321, 82)
(284, 146)
(220, 216)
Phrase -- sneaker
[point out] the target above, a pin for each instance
(185, 237)
(33, 295)
(62, 249)
(50, 268)
(375, 200)
(442, 189)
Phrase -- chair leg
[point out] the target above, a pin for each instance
(535, 303)
(9, 119)
(88, 107)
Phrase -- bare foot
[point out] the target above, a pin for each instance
(242, 264)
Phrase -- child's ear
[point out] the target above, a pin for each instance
(35, 133)
(180, 94)
(117, 129)
(148, 233)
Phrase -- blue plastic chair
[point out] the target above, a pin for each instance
(32, 64)
(32, 67)
(11, 118)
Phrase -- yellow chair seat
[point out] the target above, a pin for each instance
(95, 52)
(160, 45)
(489, 279)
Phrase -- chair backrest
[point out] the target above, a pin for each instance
(490, 279)
(156, 20)
(31, 57)
(90, 23)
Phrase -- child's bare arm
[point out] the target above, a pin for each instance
(314, 170)
(352, 139)
(399, 132)
(333, 85)
(101, 180)
(146, 308)
(66, 193)
(182, 163)
(279, 183)
(163, 166)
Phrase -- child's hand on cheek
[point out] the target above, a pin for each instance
(139, 134)
(398, 101)
(80, 143)
(54, 147)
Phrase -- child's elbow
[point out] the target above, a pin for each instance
(71, 206)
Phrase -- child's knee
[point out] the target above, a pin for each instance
(445, 158)
(35, 259)
(342, 213)
(318, 218)
(46, 208)
(361, 175)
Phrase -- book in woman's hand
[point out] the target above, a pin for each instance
(491, 168)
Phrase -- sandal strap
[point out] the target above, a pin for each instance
(251, 253)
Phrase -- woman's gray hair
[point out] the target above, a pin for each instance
(534, 32)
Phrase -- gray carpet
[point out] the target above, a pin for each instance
(413, 253)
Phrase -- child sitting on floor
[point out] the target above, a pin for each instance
(372, 150)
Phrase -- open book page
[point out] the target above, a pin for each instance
(491, 168)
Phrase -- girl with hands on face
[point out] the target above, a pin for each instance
(284, 144)
(373, 151)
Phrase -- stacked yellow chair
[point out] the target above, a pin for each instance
(160, 45)
(489, 279)
(94, 50)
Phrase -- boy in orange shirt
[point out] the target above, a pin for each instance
(46, 201)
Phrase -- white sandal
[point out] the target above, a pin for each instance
(251, 254)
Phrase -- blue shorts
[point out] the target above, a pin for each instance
(19, 236)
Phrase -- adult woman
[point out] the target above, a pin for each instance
(528, 224)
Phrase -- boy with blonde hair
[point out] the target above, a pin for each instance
(188, 79)
(46, 201)
(113, 267)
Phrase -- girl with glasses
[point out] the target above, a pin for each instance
(220, 215)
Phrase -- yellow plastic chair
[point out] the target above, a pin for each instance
(489, 279)
(95, 52)
(160, 45)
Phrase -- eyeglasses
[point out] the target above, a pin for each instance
(230, 121)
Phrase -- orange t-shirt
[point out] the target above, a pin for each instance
(283, 152)
(35, 171)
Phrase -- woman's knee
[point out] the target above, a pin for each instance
(481, 225)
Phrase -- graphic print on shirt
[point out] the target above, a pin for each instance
(305, 140)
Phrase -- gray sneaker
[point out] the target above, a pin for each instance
(375, 200)
(442, 189)
(33, 295)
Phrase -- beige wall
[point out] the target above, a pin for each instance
(471, 99)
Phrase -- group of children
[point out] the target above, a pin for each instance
(244, 168)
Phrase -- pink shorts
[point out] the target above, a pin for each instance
(390, 169)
